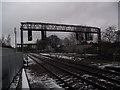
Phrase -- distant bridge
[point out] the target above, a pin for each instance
(43, 27)
(37, 26)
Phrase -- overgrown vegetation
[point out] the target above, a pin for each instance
(5, 42)
(110, 34)
(51, 42)
(109, 43)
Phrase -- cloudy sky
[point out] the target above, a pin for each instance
(99, 14)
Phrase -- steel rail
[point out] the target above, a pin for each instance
(70, 87)
(90, 69)
(76, 75)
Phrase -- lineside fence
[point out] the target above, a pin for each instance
(12, 62)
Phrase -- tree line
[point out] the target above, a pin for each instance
(5, 42)
(109, 35)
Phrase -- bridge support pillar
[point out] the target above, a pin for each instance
(43, 35)
(21, 39)
(99, 41)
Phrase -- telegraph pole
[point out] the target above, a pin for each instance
(15, 39)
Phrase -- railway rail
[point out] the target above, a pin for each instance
(70, 79)
(56, 77)
(93, 71)
(116, 69)
(111, 74)
(107, 69)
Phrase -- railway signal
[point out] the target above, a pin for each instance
(29, 35)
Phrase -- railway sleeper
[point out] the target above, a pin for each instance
(98, 86)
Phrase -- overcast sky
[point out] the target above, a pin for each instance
(99, 14)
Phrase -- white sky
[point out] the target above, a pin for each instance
(100, 14)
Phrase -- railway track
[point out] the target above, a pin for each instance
(110, 74)
(56, 77)
(70, 80)
(115, 69)
(107, 69)
(93, 71)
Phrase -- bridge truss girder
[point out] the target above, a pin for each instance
(43, 27)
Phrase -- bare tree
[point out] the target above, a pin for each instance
(3, 39)
(41, 44)
(66, 41)
(8, 41)
(109, 34)
(5, 42)
(72, 39)
(54, 41)
(76, 38)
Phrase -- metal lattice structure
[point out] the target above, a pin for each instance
(35, 26)
(43, 27)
